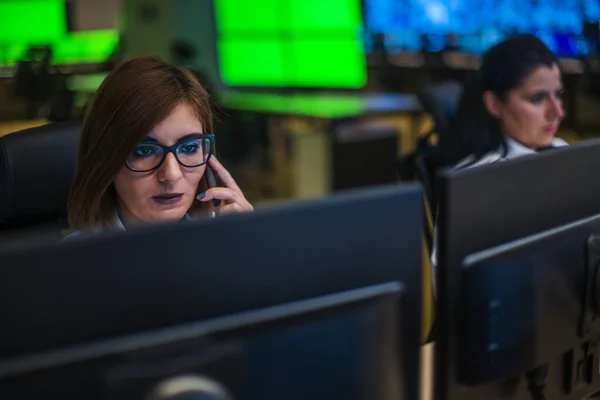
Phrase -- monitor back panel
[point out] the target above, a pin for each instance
(339, 346)
(522, 305)
(494, 204)
(126, 282)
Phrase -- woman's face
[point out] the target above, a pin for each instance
(166, 193)
(531, 113)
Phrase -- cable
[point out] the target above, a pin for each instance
(536, 382)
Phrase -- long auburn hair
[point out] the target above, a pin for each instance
(133, 98)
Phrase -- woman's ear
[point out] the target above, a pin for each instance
(492, 104)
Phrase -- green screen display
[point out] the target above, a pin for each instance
(232, 52)
(27, 23)
(32, 20)
(85, 47)
(342, 15)
(325, 106)
(247, 16)
(290, 43)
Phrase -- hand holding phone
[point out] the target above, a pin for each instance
(212, 182)
(224, 193)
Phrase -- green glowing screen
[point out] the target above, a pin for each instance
(25, 23)
(32, 20)
(290, 43)
(85, 47)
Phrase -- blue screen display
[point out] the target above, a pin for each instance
(474, 16)
(479, 24)
(591, 10)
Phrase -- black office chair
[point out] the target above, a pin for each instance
(36, 169)
(33, 80)
(440, 100)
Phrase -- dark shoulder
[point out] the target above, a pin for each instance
(79, 234)
(76, 235)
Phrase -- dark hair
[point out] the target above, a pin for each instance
(473, 131)
(133, 99)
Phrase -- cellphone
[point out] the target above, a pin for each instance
(211, 182)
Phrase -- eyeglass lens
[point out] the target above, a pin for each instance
(190, 153)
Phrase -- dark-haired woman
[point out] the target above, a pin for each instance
(512, 109)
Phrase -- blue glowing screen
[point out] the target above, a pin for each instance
(478, 24)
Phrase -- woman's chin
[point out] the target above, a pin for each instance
(168, 216)
(169, 213)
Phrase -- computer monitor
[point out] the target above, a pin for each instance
(529, 308)
(591, 10)
(286, 351)
(494, 204)
(479, 24)
(127, 283)
(467, 17)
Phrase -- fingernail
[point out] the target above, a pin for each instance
(201, 196)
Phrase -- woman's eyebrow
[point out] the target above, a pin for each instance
(150, 139)
(188, 136)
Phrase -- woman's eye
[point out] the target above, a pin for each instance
(189, 148)
(559, 95)
(144, 151)
(536, 98)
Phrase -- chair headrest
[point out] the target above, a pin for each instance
(36, 169)
(441, 100)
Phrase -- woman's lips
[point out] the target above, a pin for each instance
(168, 198)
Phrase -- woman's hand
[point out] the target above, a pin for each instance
(230, 194)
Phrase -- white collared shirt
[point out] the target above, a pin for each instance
(117, 225)
(514, 149)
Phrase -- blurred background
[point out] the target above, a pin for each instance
(310, 96)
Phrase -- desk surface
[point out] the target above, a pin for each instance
(14, 126)
(327, 106)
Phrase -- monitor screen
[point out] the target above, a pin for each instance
(287, 43)
(568, 46)
(415, 25)
(591, 10)
(463, 17)
(32, 21)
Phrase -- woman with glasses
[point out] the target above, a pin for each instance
(145, 146)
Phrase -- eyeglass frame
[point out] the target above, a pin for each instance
(171, 149)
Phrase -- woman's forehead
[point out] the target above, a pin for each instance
(543, 77)
(182, 121)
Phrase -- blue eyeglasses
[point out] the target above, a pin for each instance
(190, 153)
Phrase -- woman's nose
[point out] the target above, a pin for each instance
(556, 108)
(170, 170)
